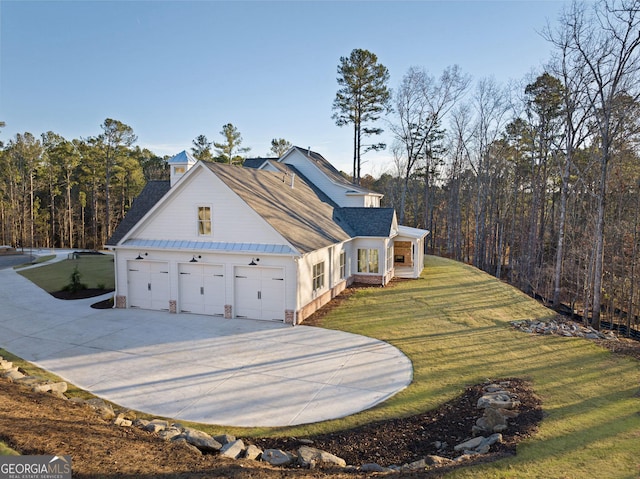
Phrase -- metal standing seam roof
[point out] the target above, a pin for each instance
(221, 246)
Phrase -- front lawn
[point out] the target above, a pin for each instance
(453, 324)
(96, 271)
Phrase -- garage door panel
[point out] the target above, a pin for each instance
(214, 290)
(202, 289)
(148, 284)
(259, 293)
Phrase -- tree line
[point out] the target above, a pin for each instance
(60, 193)
(537, 183)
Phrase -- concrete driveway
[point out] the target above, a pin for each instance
(234, 372)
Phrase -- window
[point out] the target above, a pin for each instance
(367, 260)
(179, 170)
(343, 263)
(204, 220)
(318, 275)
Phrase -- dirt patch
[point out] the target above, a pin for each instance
(42, 424)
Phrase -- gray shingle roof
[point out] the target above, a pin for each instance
(299, 214)
(330, 171)
(150, 195)
(366, 221)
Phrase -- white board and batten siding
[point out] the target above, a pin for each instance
(176, 218)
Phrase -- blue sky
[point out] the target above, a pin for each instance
(173, 70)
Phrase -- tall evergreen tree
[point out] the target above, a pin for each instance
(230, 151)
(279, 146)
(362, 97)
(201, 148)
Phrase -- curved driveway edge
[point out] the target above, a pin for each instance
(232, 372)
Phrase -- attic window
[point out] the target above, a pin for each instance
(179, 170)
(204, 220)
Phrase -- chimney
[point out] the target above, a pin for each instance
(293, 177)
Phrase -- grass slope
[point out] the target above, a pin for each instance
(453, 325)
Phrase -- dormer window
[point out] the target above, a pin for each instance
(179, 170)
(204, 220)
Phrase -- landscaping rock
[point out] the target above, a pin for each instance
(419, 465)
(310, 457)
(277, 457)
(183, 442)
(59, 388)
(470, 444)
(233, 449)
(224, 438)
(102, 408)
(253, 452)
(122, 422)
(4, 364)
(169, 433)
(432, 460)
(156, 425)
(29, 380)
(141, 423)
(372, 467)
(201, 440)
(12, 374)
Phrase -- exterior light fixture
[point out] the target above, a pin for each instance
(193, 260)
(139, 256)
(253, 261)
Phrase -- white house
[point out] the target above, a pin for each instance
(275, 239)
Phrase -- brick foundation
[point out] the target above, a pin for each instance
(320, 301)
(290, 316)
(173, 306)
(368, 279)
(121, 302)
(228, 310)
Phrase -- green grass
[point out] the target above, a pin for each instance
(7, 451)
(39, 259)
(453, 324)
(96, 271)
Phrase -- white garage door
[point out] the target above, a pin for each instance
(202, 289)
(148, 285)
(259, 293)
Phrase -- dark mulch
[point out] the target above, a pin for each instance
(404, 440)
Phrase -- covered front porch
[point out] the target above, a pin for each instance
(408, 252)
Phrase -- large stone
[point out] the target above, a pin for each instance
(372, 467)
(122, 422)
(4, 364)
(58, 388)
(156, 425)
(201, 440)
(12, 374)
(498, 399)
(183, 442)
(102, 408)
(419, 465)
(433, 460)
(253, 452)
(492, 421)
(232, 449)
(224, 438)
(310, 457)
(276, 457)
(470, 444)
(169, 433)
